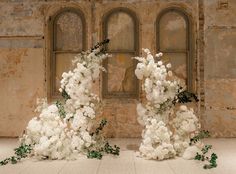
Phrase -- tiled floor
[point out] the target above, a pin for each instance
(126, 163)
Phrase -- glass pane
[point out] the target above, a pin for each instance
(121, 76)
(121, 32)
(179, 64)
(62, 64)
(172, 31)
(69, 32)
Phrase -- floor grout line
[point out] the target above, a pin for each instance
(134, 155)
(62, 167)
(25, 168)
(171, 167)
(98, 166)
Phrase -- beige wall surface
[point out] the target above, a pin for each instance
(24, 60)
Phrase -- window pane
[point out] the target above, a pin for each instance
(69, 32)
(121, 76)
(172, 31)
(179, 64)
(63, 64)
(120, 31)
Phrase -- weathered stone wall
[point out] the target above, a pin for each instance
(24, 59)
(220, 67)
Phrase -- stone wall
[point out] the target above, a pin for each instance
(24, 59)
(220, 67)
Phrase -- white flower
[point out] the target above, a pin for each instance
(159, 54)
(183, 108)
(159, 63)
(168, 65)
(158, 141)
(146, 50)
(191, 152)
(170, 73)
(58, 138)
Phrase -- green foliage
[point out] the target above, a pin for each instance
(212, 162)
(106, 147)
(201, 135)
(21, 152)
(65, 95)
(61, 109)
(100, 127)
(203, 157)
(206, 148)
(185, 97)
(111, 150)
(101, 44)
(95, 154)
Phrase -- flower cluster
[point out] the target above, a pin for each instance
(185, 125)
(156, 142)
(162, 93)
(57, 137)
(49, 134)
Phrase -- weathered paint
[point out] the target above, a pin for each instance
(24, 59)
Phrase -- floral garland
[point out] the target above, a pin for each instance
(167, 132)
(65, 129)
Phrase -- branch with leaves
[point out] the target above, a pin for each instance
(21, 152)
(201, 135)
(203, 155)
(107, 148)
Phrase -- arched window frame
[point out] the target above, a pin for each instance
(105, 93)
(189, 42)
(54, 93)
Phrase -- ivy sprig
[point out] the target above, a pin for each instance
(112, 150)
(20, 152)
(201, 135)
(185, 96)
(100, 127)
(61, 109)
(65, 95)
(108, 149)
(203, 157)
(212, 162)
(95, 154)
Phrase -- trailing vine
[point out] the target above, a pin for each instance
(107, 148)
(212, 163)
(100, 127)
(20, 152)
(201, 135)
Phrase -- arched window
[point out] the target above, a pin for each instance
(67, 40)
(121, 27)
(174, 40)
